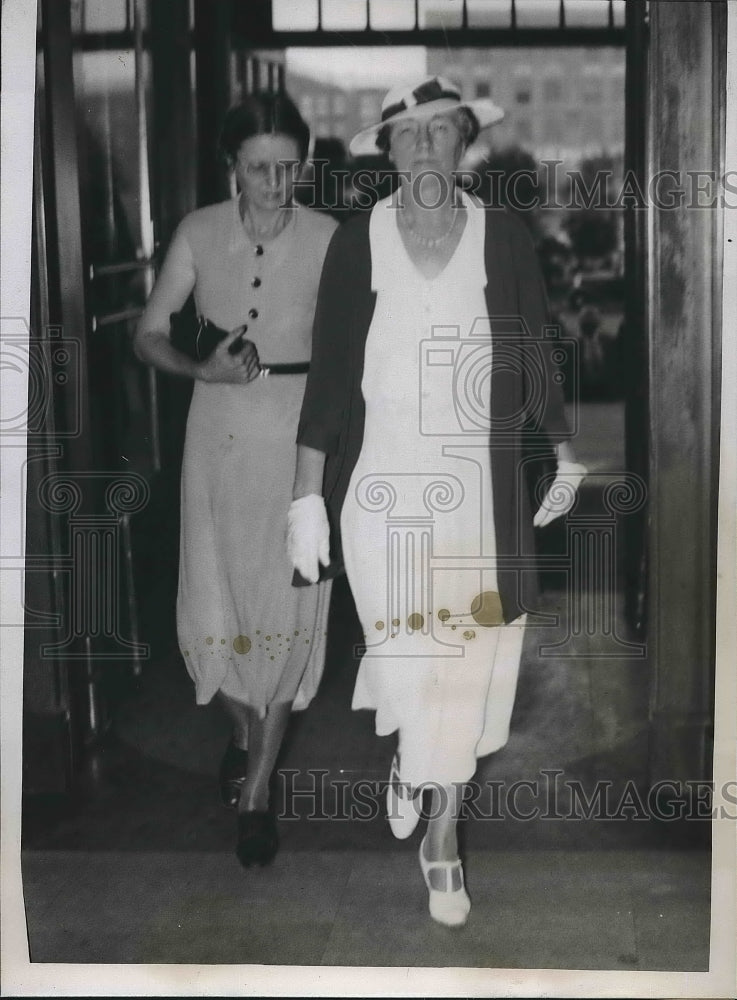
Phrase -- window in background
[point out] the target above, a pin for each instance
(537, 14)
(552, 129)
(619, 13)
(572, 128)
(593, 132)
(489, 13)
(592, 85)
(553, 90)
(294, 15)
(343, 15)
(112, 128)
(367, 109)
(522, 88)
(337, 15)
(524, 131)
(110, 16)
(440, 14)
(454, 72)
(587, 13)
(396, 14)
(616, 84)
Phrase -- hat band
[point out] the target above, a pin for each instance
(430, 91)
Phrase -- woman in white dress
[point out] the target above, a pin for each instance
(246, 634)
(429, 368)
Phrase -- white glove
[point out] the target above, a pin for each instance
(562, 494)
(308, 536)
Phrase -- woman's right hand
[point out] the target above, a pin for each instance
(238, 368)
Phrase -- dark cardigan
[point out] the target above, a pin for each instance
(527, 412)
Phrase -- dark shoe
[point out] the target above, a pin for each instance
(257, 839)
(232, 774)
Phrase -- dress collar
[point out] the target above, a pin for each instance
(238, 238)
(467, 265)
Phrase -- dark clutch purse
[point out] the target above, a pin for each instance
(335, 567)
(329, 572)
(196, 336)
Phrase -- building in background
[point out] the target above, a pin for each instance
(323, 105)
(331, 111)
(565, 104)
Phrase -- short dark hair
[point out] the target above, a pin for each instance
(464, 117)
(263, 114)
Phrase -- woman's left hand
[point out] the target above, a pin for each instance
(562, 494)
(308, 536)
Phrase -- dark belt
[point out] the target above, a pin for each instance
(298, 368)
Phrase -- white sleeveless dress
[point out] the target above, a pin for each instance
(418, 519)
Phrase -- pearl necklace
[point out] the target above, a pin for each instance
(429, 242)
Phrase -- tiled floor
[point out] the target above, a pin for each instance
(139, 866)
(619, 910)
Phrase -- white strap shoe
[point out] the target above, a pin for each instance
(452, 906)
(403, 810)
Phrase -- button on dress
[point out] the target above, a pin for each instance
(418, 520)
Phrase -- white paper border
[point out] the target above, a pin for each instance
(21, 978)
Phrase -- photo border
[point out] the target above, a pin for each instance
(22, 978)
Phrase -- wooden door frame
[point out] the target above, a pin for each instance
(686, 132)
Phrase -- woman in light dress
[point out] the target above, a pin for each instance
(429, 368)
(247, 636)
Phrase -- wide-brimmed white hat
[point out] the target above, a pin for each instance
(432, 96)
